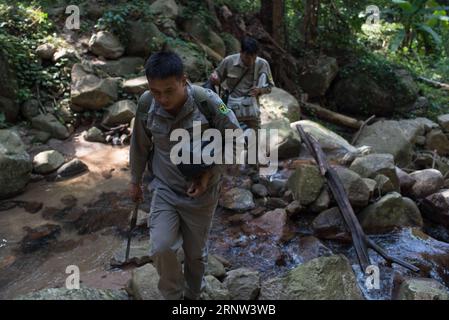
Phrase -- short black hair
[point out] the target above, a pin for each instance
(164, 64)
(249, 45)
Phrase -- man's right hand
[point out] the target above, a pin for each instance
(214, 79)
(135, 192)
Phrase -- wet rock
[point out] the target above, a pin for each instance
(47, 161)
(215, 267)
(383, 184)
(329, 224)
(15, 164)
(144, 283)
(275, 203)
(94, 135)
(105, 44)
(79, 294)
(436, 207)
(371, 165)
(136, 85)
(120, 112)
(391, 211)
(49, 123)
(356, 188)
(443, 121)
(422, 289)
(243, 284)
(316, 79)
(273, 223)
(428, 181)
(214, 289)
(324, 278)
(45, 51)
(71, 168)
(293, 208)
(387, 137)
(276, 187)
(306, 183)
(286, 143)
(38, 237)
(437, 140)
(310, 247)
(279, 104)
(322, 202)
(69, 200)
(139, 254)
(259, 190)
(237, 199)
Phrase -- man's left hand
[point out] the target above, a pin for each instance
(199, 185)
(255, 92)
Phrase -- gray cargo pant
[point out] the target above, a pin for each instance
(174, 221)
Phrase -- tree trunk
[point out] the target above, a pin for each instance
(272, 18)
(310, 22)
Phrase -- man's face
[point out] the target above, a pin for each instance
(248, 59)
(169, 92)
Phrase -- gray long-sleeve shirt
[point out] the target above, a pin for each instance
(150, 141)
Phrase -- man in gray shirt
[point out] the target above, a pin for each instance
(181, 209)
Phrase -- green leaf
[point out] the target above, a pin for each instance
(404, 5)
(436, 38)
(397, 40)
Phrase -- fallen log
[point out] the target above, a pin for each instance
(359, 238)
(437, 84)
(331, 116)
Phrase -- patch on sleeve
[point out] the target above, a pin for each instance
(223, 108)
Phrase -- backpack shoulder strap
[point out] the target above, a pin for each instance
(144, 105)
(200, 96)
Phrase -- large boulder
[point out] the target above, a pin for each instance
(287, 142)
(306, 183)
(324, 278)
(443, 121)
(238, 199)
(167, 8)
(372, 165)
(72, 294)
(119, 68)
(136, 85)
(390, 212)
(428, 181)
(120, 112)
(272, 223)
(15, 164)
(206, 35)
(105, 44)
(144, 283)
(356, 189)
(9, 108)
(316, 79)
(143, 38)
(387, 137)
(194, 63)
(243, 284)
(329, 225)
(89, 91)
(436, 207)
(214, 289)
(279, 104)
(437, 140)
(47, 161)
(49, 123)
(422, 289)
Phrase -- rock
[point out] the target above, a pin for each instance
(437, 140)
(405, 180)
(45, 51)
(215, 267)
(71, 168)
(276, 186)
(90, 92)
(136, 85)
(121, 67)
(243, 284)
(412, 129)
(371, 184)
(143, 38)
(322, 202)
(144, 283)
(237, 199)
(39, 136)
(15, 164)
(194, 65)
(436, 207)
(420, 141)
(8, 79)
(78, 294)
(206, 35)
(384, 184)
(324, 278)
(94, 135)
(279, 104)
(371, 165)
(422, 289)
(316, 79)
(273, 224)
(138, 254)
(310, 248)
(64, 53)
(293, 208)
(334, 146)
(259, 190)
(443, 121)
(47, 161)
(427, 123)
(167, 8)
(275, 203)
(391, 211)
(306, 183)
(120, 112)
(286, 142)
(428, 181)
(330, 225)
(232, 44)
(105, 44)
(356, 188)
(39, 237)
(9, 109)
(214, 289)
(49, 123)
(387, 137)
